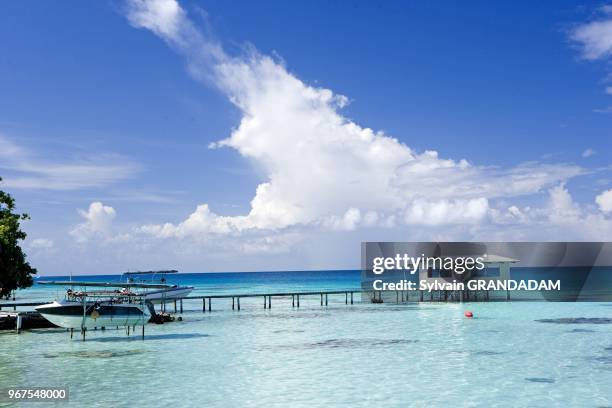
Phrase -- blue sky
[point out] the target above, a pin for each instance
(94, 86)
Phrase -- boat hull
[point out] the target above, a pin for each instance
(168, 295)
(70, 314)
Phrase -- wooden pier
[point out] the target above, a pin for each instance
(349, 295)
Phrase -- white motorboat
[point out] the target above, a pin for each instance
(74, 314)
(167, 293)
(111, 304)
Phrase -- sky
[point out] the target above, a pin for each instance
(245, 136)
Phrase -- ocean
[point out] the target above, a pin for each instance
(537, 354)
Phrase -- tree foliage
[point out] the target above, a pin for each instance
(15, 271)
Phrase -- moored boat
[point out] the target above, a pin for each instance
(74, 314)
(167, 293)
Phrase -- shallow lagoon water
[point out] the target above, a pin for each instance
(510, 354)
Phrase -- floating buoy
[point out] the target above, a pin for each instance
(468, 314)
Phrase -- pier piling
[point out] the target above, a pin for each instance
(18, 323)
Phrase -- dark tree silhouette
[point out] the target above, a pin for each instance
(15, 271)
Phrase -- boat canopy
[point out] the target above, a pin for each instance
(151, 272)
(106, 284)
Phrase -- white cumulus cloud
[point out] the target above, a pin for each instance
(97, 221)
(323, 168)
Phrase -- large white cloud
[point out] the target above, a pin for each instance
(322, 168)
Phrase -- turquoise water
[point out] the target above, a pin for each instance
(359, 355)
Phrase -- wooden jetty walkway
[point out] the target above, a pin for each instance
(267, 298)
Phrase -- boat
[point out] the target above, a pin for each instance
(72, 314)
(166, 294)
(84, 309)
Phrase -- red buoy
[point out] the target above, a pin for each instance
(468, 314)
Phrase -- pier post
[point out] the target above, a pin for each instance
(83, 330)
(203, 305)
(238, 303)
(18, 323)
(351, 298)
(269, 302)
(174, 305)
(421, 295)
(71, 329)
(209, 305)
(321, 299)
(346, 298)
(265, 305)
(298, 300)
(181, 305)
(396, 296)
(292, 300)
(232, 303)
(143, 331)
(326, 299)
